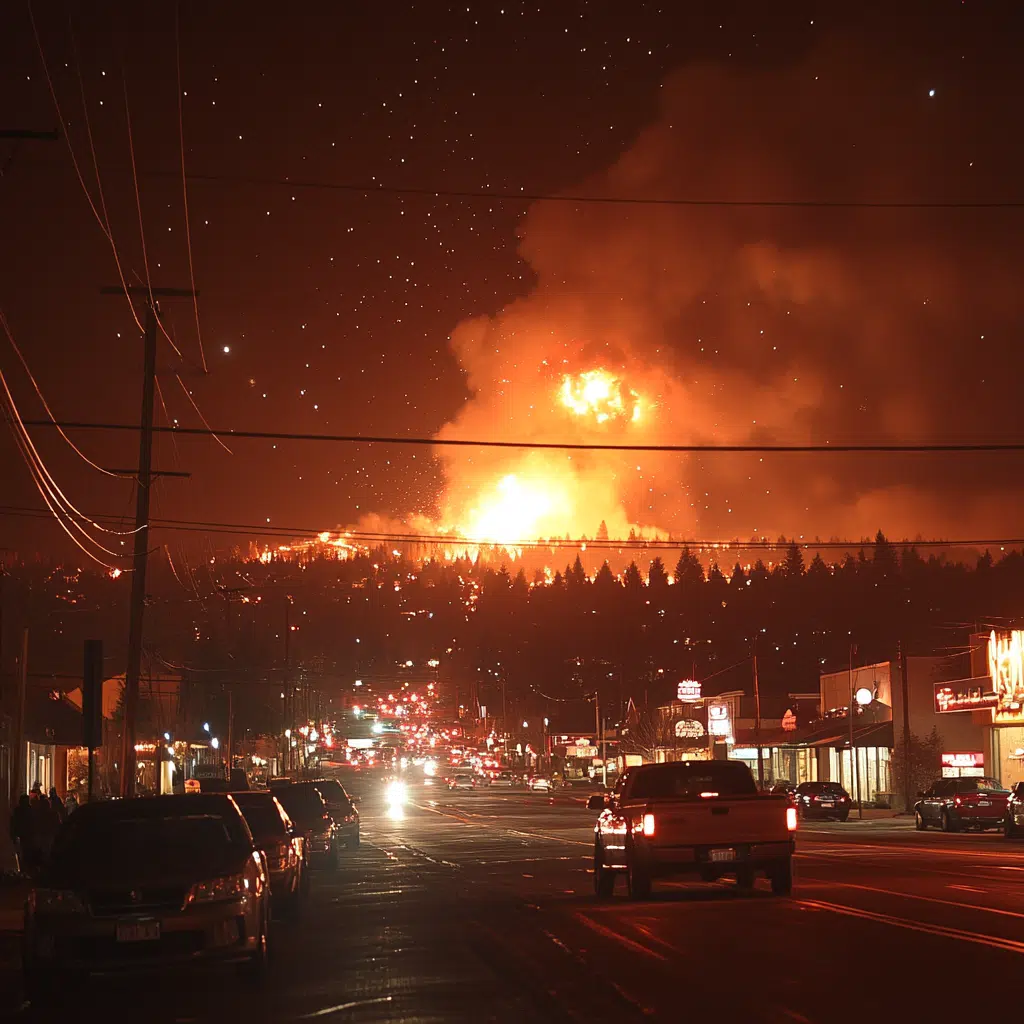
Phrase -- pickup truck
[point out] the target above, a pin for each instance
(702, 818)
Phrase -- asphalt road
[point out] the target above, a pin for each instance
(478, 907)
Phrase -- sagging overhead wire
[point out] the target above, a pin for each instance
(103, 220)
(184, 181)
(42, 398)
(199, 413)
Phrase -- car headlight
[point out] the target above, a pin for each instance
(218, 889)
(396, 793)
(56, 901)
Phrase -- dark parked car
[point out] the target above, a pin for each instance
(822, 800)
(308, 810)
(787, 789)
(1013, 823)
(283, 844)
(343, 809)
(147, 882)
(966, 803)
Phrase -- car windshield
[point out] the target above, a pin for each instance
(119, 843)
(689, 779)
(981, 786)
(821, 787)
(334, 793)
(260, 811)
(302, 802)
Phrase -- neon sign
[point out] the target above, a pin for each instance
(1006, 669)
(688, 691)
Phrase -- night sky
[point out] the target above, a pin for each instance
(333, 310)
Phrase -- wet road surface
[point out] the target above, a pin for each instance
(478, 907)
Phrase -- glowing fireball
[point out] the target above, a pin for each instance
(599, 395)
(520, 507)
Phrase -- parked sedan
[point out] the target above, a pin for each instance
(1013, 823)
(343, 809)
(966, 803)
(152, 882)
(822, 800)
(308, 810)
(284, 846)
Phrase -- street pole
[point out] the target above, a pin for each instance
(905, 690)
(140, 554)
(853, 748)
(18, 781)
(231, 730)
(287, 681)
(757, 724)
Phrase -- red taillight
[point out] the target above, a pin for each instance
(957, 801)
(791, 819)
(648, 825)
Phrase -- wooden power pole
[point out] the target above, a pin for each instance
(133, 670)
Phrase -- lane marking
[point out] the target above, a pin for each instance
(559, 943)
(992, 941)
(540, 835)
(926, 899)
(341, 1007)
(910, 850)
(966, 888)
(616, 937)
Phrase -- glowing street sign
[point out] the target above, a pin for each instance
(687, 729)
(688, 691)
(719, 723)
(1006, 668)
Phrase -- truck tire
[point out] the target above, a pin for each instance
(782, 877)
(638, 881)
(604, 880)
(745, 879)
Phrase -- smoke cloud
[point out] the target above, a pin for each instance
(786, 325)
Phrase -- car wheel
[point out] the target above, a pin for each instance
(353, 843)
(948, 824)
(782, 877)
(256, 967)
(332, 858)
(1009, 829)
(41, 991)
(844, 817)
(638, 881)
(745, 879)
(604, 880)
(919, 822)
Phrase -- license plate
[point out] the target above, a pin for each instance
(139, 931)
(827, 803)
(718, 856)
(984, 803)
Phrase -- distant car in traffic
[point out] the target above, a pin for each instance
(966, 803)
(308, 810)
(540, 784)
(1013, 822)
(462, 780)
(504, 778)
(822, 800)
(284, 846)
(149, 882)
(785, 788)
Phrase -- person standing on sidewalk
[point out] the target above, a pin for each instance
(22, 835)
(57, 806)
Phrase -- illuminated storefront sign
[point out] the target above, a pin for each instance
(964, 695)
(1006, 668)
(687, 729)
(789, 721)
(688, 691)
(719, 723)
(961, 764)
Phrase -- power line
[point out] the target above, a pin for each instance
(898, 448)
(370, 537)
(531, 197)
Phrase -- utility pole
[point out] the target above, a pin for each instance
(133, 670)
(908, 796)
(757, 723)
(854, 767)
(19, 783)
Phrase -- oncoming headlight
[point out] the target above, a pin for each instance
(396, 793)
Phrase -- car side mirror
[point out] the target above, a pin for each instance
(597, 802)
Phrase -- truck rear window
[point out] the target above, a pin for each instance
(688, 779)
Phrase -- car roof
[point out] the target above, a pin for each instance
(178, 804)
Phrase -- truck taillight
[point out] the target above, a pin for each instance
(791, 819)
(648, 828)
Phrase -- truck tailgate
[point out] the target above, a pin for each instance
(716, 821)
